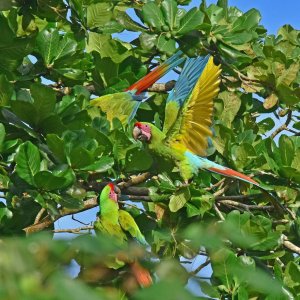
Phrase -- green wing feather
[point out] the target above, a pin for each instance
(118, 105)
(128, 224)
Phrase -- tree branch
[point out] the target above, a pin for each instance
(245, 206)
(202, 266)
(284, 126)
(289, 245)
(73, 230)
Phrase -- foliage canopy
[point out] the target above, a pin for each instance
(57, 152)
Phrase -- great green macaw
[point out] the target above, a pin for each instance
(117, 223)
(188, 118)
(124, 105)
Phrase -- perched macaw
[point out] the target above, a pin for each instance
(188, 118)
(124, 105)
(118, 223)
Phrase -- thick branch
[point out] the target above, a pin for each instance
(289, 245)
(162, 87)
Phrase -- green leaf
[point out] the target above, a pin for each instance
(169, 9)
(99, 14)
(246, 21)
(47, 43)
(178, 200)
(6, 90)
(5, 213)
(80, 158)
(138, 160)
(108, 47)
(292, 275)
(287, 150)
(28, 162)
(7, 4)
(44, 101)
(128, 23)
(46, 180)
(152, 15)
(101, 165)
(166, 45)
(148, 41)
(56, 146)
(70, 202)
(190, 21)
(232, 103)
(2, 136)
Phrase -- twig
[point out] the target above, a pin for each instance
(73, 230)
(138, 198)
(290, 245)
(140, 209)
(284, 126)
(245, 206)
(202, 266)
(221, 191)
(219, 183)
(219, 212)
(238, 197)
(39, 215)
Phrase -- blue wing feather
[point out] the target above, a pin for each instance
(191, 72)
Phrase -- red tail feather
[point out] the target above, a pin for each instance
(148, 80)
(141, 274)
(231, 173)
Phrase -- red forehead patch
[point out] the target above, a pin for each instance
(138, 124)
(111, 185)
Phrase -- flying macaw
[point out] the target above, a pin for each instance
(124, 105)
(116, 223)
(188, 118)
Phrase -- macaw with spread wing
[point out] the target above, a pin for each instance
(117, 223)
(124, 105)
(188, 118)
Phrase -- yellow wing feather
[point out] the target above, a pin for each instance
(196, 115)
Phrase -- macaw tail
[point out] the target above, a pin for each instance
(233, 174)
(157, 73)
(203, 163)
(141, 274)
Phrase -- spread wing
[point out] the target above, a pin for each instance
(124, 105)
(118, 105)
(128, 224)
(191, 126)
(185, 84)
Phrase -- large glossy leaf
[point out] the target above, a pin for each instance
(28, 162)
(107, 47)
(169, 9)
(6, 90)
(190, 21)
(153, 15)
(99, 14)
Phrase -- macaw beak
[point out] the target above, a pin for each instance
(136, 132)
(139, 134)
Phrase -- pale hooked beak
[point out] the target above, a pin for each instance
(136, 132)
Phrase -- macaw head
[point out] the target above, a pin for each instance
(142, 132)
(112, 192)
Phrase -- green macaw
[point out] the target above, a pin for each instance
(188, 118)
(124, 105)
(117, 223)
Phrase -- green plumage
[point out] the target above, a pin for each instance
(116, 222)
